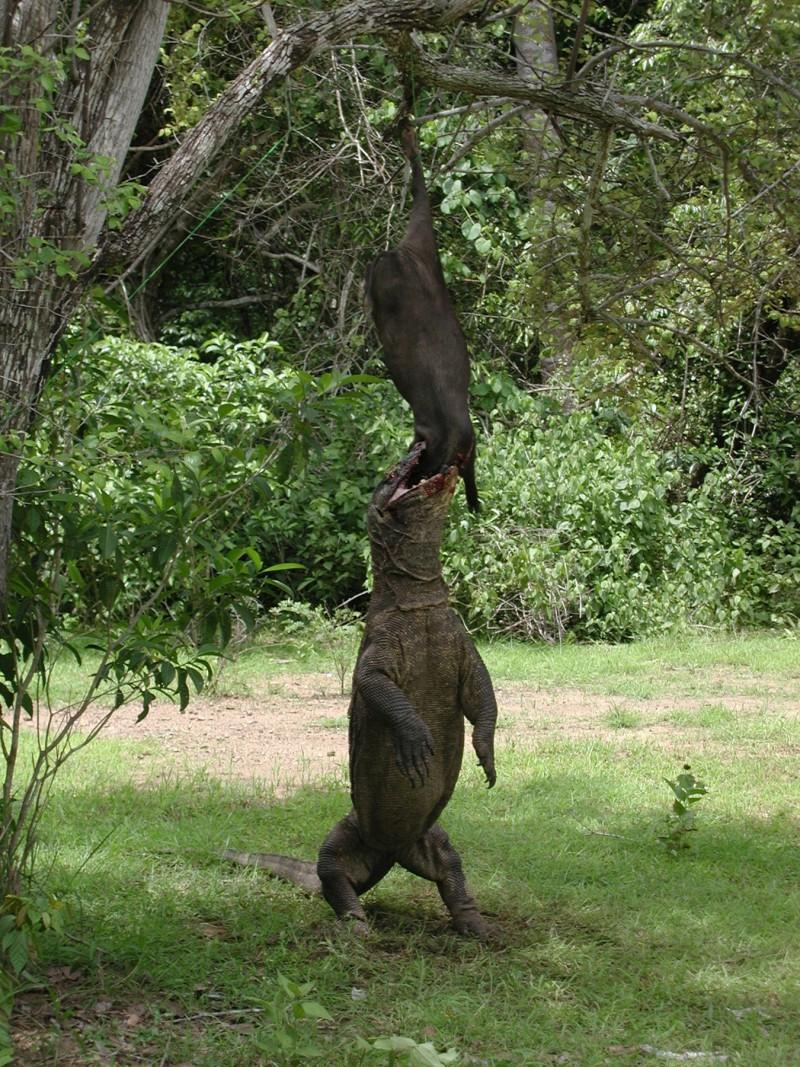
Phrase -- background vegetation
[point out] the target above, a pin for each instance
(632, 318)
(194, 446)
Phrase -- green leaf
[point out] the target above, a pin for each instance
(394, 1043)
(7, 669)
(183, 689)
(9, 123)
(147, 700)
(166, 672)
(425, 1056)
(197, 679)
(285, 462)
(176, 491)
(17, 951)
(289, 987)
(166, 547)
(312, 1010)
(108, 589)
(108, 542)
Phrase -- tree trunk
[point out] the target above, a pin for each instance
(57, 211)
(537, 65)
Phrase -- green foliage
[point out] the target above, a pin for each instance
(222, 479)
(164, 477)
(23, 920)
(594, 534)
(688, 792)
(314, 629)
(287, 1031)
(404, 1050)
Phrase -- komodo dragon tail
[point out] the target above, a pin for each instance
(298, 872)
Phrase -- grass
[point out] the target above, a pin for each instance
(685, 665)
(605, 943)
(619, 718)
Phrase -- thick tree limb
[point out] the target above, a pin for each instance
(290, 49)
(608, 109)
(296, 45)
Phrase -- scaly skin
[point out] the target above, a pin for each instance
(418, 676)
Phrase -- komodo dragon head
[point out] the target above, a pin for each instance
(405, 521)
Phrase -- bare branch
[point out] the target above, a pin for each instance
(576, 44)
(289, 50)
(608, 109)
(269, 18)
(301, 261)
(662, 189)
(480, 134)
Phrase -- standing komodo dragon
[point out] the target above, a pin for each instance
(417, 676)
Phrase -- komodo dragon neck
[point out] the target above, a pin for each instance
(405, 532)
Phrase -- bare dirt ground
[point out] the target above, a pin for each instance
(293, 731)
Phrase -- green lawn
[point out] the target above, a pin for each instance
(608, 950)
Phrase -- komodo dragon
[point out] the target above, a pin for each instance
(417, 676)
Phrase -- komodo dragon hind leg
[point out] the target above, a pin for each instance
(347, 868)
(433, 857)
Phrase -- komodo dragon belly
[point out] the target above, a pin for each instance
(392, 813)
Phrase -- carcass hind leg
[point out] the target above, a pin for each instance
(347, 868)
(433, 857)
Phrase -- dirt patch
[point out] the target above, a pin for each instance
(294, 729)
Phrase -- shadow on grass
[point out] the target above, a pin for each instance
(602, 939)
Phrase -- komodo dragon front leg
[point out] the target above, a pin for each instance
(411, 738)
(479, 705)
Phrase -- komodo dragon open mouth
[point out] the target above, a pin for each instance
(403, 480)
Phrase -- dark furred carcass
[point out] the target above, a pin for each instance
(423, 344)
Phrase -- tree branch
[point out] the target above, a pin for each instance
(291, 48)
(608, 109)
(480, 134)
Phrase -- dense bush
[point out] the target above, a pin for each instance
(165, 469)
(225, 468)
(593, 533)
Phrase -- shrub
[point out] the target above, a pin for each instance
(591, 534)
(587, 529)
